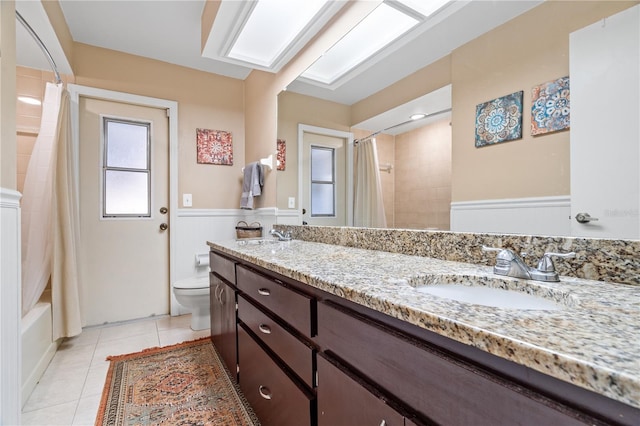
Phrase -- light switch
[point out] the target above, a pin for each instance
(187, 200)
(292, 202)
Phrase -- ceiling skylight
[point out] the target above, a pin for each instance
(271, 28)
(380, 28)
(425, 8)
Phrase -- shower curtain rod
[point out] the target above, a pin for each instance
(374, 134)
(42, 46)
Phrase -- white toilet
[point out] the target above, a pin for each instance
(193, 294)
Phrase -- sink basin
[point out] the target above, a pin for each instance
(498, 292)
(488, 296)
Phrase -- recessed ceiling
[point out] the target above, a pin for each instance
(376, 31)
(170, 31)
(266, 34)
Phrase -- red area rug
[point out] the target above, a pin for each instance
(184, 384)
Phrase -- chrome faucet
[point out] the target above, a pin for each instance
(282, 237)
(511, 264)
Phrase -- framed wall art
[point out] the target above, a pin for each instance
(214, 147)
(499, 120)
(550, 106)
(281, 154)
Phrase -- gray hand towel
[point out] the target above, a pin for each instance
(252, 182)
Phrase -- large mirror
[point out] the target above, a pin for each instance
(431, 171)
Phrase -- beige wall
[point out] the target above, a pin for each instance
(421, 82)
(205, 100)
(8, 169)
(529, 50)
(423, 177)
(294, 109)
(261, 94)
(514, 57)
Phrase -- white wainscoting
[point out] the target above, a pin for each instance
(10, 296)
(289, 217)
(549, 216)
(195, 227)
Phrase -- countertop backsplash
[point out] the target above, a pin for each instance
(596, 259)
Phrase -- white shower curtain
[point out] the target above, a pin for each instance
(50, 226)
(368, 209)
(36, 203)
(65, 264)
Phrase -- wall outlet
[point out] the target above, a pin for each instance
(292, 202)
(187, 200)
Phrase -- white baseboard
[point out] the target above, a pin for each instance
(533, 216)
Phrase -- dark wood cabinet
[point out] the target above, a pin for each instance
(295, 353)
(294, 307)
(343, 401)
(224, 267)
(276, 356)
(274, 396)
(222, 296)
(438, 386)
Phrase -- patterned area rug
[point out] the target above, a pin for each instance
(184, 384)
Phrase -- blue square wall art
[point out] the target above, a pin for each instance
(499, 120)
(550, 107)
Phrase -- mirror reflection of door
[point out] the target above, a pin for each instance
(605, 160)
(325, 178)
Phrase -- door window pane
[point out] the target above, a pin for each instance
(321, 164)
(127, 145)
(126, 193)
(323, 181)
(322, 199)
(126, 169)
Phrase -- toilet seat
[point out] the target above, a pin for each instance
(192, 283)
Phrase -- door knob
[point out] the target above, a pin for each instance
(163, 210)
(585, 218)
(163, 226)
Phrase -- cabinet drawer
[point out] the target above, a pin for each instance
(222, 266)
(297, 355)
(293, 307)
(274, 397)
(342, 401)
(429, 381)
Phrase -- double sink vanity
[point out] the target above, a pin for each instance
(332, 334)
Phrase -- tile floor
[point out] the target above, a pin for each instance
(70, 389)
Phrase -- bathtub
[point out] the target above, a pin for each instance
(38, 348)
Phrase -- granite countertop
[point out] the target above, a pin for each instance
(592, 342)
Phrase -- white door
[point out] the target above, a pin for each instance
(325, 179)
(605, 128)
(124, 194)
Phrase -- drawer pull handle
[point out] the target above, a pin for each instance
(264, 392)
(264, 292)
(265, 328)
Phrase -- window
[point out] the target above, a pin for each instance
(126, 169)
(323, 182)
